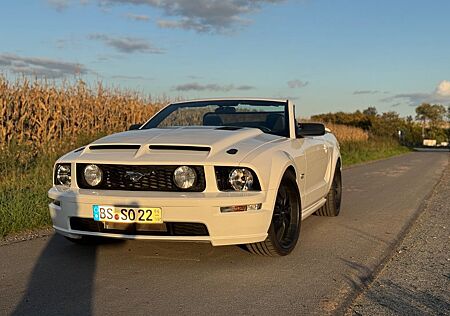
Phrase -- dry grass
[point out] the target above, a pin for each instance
(346, 133)
(40, 115)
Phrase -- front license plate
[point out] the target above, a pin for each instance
(143, 215)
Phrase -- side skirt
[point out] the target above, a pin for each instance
(311, 209)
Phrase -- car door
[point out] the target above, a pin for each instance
(317, 161)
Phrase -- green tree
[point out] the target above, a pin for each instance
(387, 124)
(433, 114)
(370, 111)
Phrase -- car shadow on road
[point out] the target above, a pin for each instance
(61, 281)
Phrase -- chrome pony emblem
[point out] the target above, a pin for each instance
(134, 176)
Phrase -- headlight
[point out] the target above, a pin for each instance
(184, 177)
(93, 175)
(63, 175)
(241, 179)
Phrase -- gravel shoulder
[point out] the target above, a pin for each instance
(416, 280)
(26, 235)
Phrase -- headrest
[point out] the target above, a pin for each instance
(212, 120)
(275, 121)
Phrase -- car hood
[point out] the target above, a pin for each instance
(195, 145)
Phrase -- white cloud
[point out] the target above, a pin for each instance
(296, 83)
(440, 95)
(127, 44)
(201, 15)
(137, 17)
(41, 67)
(443, 89)
(194, 86)
(126, 77)
(356, 92)
(59, 5)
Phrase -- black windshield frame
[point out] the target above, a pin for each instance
(164, 113)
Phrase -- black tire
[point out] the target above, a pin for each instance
(332, 206)
(284, 229)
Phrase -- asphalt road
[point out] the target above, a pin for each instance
(322, 276)
(416, 280)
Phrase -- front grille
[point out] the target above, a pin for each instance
(154, 178)
(166, 229)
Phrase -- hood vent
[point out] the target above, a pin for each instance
(176, 147)
(114, 147)
(228, 128)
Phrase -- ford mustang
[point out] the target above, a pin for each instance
(224, 171)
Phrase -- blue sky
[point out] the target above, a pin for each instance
(334, 55)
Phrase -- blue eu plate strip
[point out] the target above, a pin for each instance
(95, 211)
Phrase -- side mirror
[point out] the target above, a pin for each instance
(310, 129)
(134, 127)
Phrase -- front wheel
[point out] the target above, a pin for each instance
(284, 228)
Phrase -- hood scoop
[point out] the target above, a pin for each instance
(114, 147)
(180, 147)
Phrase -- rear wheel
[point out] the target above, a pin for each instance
(284, 229)
(332, 206)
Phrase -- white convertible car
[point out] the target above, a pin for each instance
(224, 171)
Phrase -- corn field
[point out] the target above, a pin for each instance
(40, 115)
(346, 133)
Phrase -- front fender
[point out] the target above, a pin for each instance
(270, 172)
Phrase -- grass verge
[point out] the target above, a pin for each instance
(25, 178)
(374, 149)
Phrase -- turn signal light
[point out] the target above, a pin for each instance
(240, 208)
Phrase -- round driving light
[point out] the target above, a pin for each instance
(184, 177)
(63, 175)
(241, 179)
(93, 175)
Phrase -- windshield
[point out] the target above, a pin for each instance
(268, 116)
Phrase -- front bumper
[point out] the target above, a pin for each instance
(192, 207)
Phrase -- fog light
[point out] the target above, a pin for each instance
(240, 208)
(184, 177)
(93, 175)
